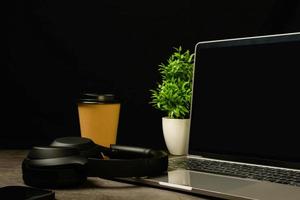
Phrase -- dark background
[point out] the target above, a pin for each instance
(58, 49)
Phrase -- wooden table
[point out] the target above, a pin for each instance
(94, 188)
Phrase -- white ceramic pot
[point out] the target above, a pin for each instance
(176, 135)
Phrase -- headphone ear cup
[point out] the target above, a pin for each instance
(50, 167)
(62, 177)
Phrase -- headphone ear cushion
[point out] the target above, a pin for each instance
(85, 146)
(54, 167)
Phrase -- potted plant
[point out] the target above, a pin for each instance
(173, 96)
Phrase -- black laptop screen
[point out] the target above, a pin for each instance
(246, 98)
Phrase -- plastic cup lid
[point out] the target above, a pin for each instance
(97, 98)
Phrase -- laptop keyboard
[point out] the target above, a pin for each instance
(238, 170)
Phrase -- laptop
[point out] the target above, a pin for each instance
(245, 121)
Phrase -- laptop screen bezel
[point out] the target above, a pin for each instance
(255, 40)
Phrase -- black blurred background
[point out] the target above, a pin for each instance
(59, 49)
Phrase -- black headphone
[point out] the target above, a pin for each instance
(68, 161)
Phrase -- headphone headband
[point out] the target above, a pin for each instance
(149, 164)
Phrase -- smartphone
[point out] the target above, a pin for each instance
(25, 193)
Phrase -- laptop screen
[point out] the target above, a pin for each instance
(246, 98)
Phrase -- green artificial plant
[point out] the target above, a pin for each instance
(173, 94)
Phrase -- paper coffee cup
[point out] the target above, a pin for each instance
(99, 118)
